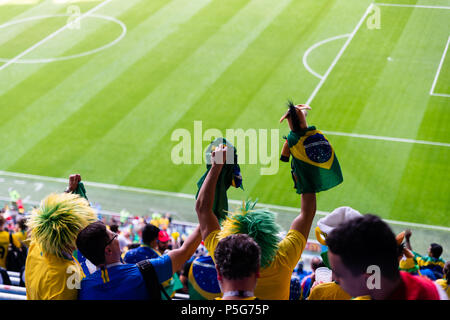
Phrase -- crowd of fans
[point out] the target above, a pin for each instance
(71, 254)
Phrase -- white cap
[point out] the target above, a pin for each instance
(336, 217)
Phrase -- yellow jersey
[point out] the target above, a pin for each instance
(275, 280)
(4, 243)
(328, 291)
(443, 283)
(21, 237)
(48, 277)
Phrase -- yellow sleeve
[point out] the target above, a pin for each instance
(291, 248)
(16, 241)
(211, 242)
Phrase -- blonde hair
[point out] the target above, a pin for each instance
(57, 222)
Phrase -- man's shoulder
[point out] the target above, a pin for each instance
(419, 285)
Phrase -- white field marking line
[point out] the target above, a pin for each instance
(315, 46)
(368, 10)
(366, 136)
(441, 95)
(187, 196)
(54, 34)
(411, 6)
(324, 78)
(441, 63)
(82, 54)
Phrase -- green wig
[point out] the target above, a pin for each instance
(259, 224)
(57, 222)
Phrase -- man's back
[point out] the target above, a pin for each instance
(47, 276)
(122, 281)
(415, 288)
(119, 282)
(328, 291)
(141, 253)
(275, 279)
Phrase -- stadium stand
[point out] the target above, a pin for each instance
(130, 228)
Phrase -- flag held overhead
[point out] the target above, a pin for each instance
(314, 164)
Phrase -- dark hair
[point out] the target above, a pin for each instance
(133, 246)
(436, 250)
(237, 256)
(149, 233)
(2, 220)
(91, 242)
(365, 241)
(114, 228)
(22, 223)
(316, 262)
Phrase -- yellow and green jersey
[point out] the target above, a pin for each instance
(433, 264)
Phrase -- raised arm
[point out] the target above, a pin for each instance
(408, 234)
(303, 222)
(205, 200)
(74, 179)
(181, 255)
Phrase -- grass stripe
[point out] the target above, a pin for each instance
(13, 12)
(86, 82)
(189, 82)
(249, 100)
(290, 80)
(52, 35)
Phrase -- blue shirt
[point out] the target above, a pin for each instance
(139, 254)
(123, 281)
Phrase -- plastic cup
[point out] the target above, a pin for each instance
(323, 274)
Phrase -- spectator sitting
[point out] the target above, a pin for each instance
(145, 250)
(444, 283)
(432, 265)
(364, 242)
(50, 266)
(309, 280)
(278, 258)
(4, 242)
(237, 264)
(114, 280)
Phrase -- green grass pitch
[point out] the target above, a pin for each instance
(109, 115)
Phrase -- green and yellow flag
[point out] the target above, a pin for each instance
(315, 166)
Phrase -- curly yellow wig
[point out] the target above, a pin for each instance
(59, 219)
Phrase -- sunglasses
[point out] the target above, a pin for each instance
(109, 242)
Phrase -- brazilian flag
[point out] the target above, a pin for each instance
(315, 166)
(229, 176)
